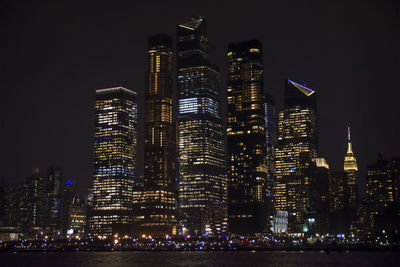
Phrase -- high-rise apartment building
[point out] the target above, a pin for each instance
(297, 146)
(114, 159)
(246, 139)
(202, 185)
(155, 204)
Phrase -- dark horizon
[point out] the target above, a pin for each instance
(56, 55)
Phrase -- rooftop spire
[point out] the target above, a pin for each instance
(349, 146)
(350, 162)
(348, 133)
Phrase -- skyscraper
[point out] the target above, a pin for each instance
(53, 199)
(380, 187)
(246, 139)
(35, 201)
(271, 139)
(202, 178)
(318, 203)
(338, 198)
(297, 146)
(114, 159)
(156, 202)
(351, 171)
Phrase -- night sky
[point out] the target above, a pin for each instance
(55, 54)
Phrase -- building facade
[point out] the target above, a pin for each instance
(246, 139)
(114, 160)
(202, 190)
(297, 146)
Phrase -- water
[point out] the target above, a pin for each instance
(252, 259)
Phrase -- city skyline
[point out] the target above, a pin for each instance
(46, 130)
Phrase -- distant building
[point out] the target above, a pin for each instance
(351, 171)
(3, 203)
(202, 189)
(155, 204)
(246, 139)
(297, 146)
(114, 160)
(53, 199)
(76, 216)
(34, 202)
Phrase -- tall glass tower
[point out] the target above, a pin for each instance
(202, 179)
(156, 203)
(246, 137)
(297, 146)
(114, 160)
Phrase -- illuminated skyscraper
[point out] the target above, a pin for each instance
(297, 146)
(114, 159)
(351, 171)
(202, 179)
(156, 203)
(246, 137)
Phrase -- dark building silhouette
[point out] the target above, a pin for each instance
(381, 192)
(297, 146)
(155, 205)
(317, 215)
(246, 139)
(54, 186)
(202, 175)
(34, 202)
(4, 199)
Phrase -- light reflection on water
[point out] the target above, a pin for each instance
(259, 258)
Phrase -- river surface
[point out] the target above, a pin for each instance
(243, 258)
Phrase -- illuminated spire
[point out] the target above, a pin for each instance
(349, 146)
(350, 162)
